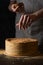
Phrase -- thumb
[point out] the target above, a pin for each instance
(17, 24)
(14, 8)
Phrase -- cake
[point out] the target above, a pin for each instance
(21, 46)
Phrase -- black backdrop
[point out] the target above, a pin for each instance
(7, 22)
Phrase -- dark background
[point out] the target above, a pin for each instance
(7, 22)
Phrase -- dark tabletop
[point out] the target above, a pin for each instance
(7, 60)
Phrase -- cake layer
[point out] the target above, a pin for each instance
(21, 46)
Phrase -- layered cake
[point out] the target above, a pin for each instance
(21, 46)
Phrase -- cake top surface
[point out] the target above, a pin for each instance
(21, 40)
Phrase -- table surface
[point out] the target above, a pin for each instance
(8, 60)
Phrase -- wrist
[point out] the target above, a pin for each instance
(34, 17)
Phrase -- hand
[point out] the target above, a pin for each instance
(17, 7)
(26, 21)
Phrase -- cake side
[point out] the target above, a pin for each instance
(21, 47)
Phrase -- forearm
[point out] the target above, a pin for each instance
(39, 13)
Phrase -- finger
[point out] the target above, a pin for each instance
(18, 26)
(21, 4)
(30, 22)
(20, 22)
(24, 21)
(14, 8)
(27, 22)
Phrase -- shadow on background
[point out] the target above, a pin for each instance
(7, 22)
